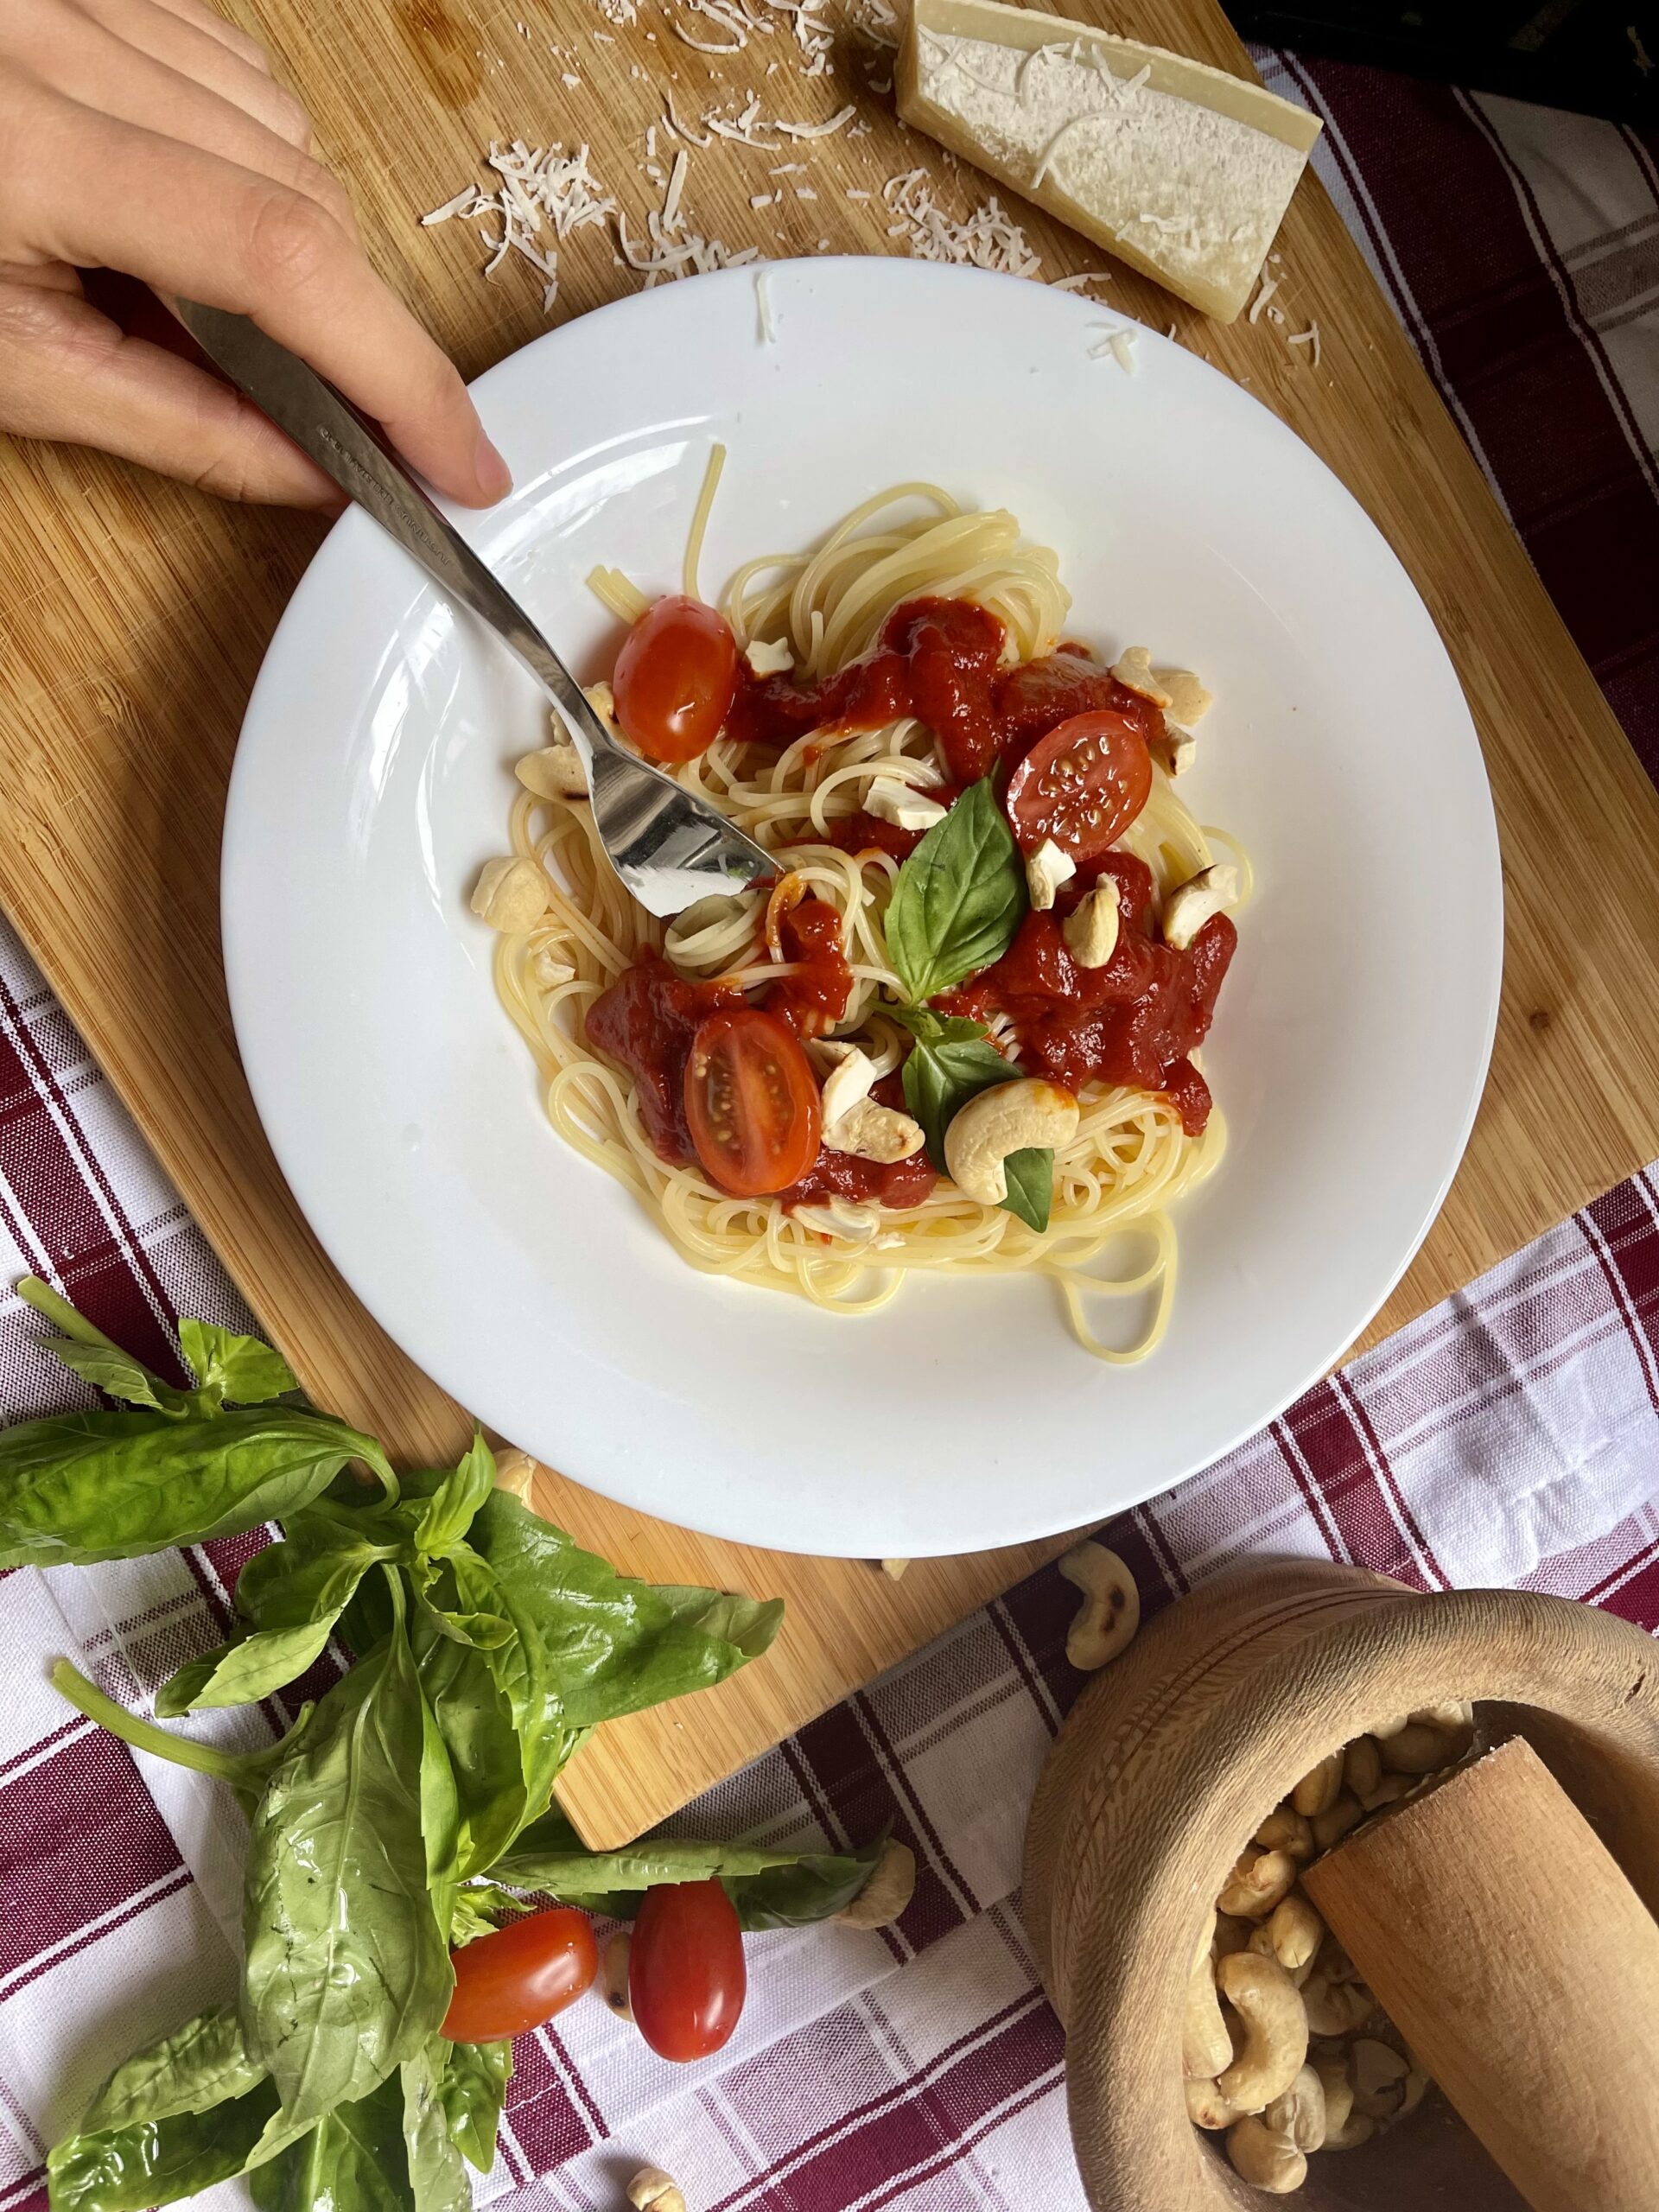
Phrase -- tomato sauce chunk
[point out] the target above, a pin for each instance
(813, 1000)
(645, 1022)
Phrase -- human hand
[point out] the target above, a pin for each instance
(147, 137)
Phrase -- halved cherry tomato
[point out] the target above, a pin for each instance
(751, 1104)
(675, 679)
(1082, 785)
(510, 1982)
(686, 1976)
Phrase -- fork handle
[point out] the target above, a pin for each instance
(331, 431)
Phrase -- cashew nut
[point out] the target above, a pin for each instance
(1335, 2008)
(1291, 1932)
(1133, 669)
(555, 772)
(1178, 749)
(848, 1081)
(614, 1972)
(1207, 2044)
(867, 1131)
(1090, 929)
(1267, 2160)
(547, 969)
(1285, 1829)
(1331, 2067)
(1299, 2113)
(1379, 2074)
(1207, 2107)
(1269, 2005)
(1186, 699)
(1416, 2090)
(1110, 1613)
(1006, 1118)
(652, 2190)
(510, 895)
(515, 1472)
(773, 659)
(1391, 1789)
(1362, 1767)
(1256, 1884)
(1318, 1788)
(891, 800)
(1334, 1822)
(889, 1890)
(1046, 869)
(1423, 1747)
(1212, 891)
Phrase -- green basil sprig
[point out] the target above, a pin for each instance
(473, 2081)
(951, 1061)
(958, 900)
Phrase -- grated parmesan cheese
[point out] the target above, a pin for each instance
(763, 308)
(1310, 337)
(1083, 277)
(986, 238)
(539, 190)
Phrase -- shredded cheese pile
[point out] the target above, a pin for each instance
(540, 189)
(987, 238)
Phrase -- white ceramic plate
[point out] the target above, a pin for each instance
(374, 776)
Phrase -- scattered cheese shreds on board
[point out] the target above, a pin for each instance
(986, 238)
(539, 190)
(1310, 338)
(620, 12)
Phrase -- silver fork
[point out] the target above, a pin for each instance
(669, 847)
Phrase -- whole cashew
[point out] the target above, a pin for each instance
(1006, 1118)
(1362, 1767)
(1291, 1932)
(1267, 2160)
(1354, 2130)
(1318, 1788)
(1207, 2107)
(1110, 1613)
(1423, 1747)
(652, 2190)
(1331, 2067)
(1090, 929)
(1207, 2046)
(1299, 2113)
(1285, 1829)
(1379, 2078)
(1257, 1883)
(889, 1890)
(1335, 2008)
(1269, 2005)
(1212, 891)
(1333, 1823)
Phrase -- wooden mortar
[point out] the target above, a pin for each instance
(1174, 1755)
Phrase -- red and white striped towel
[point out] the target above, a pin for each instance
(1510, 1437)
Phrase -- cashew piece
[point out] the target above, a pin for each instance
(1188, 700)
(1380, 2074)
(1318, 1788)
(1177, 750)
(1285, 1829)
(1362, 1767)
(889, 1890)
(1110, 1613)
(1354, 2130)
(1335, 2008)
(510, 895)
(1331, 2067)
(1133, 669)
(555, 772)
(1299, 2113)
(1257, 1883)
(1046, 869)
(1331, 1825)
(1291, 1932)
(1423, 1747)
(851, 1077)
(1269, 2004)
(1008, 1118)
(515, 1472)
(1391, 1789)
(1267, 2160)
(1090, 929)
(614, 1972)
(1206, 2043)
(1212, 891)
(867, 1131)
(652, 2190)
(1207, 2107)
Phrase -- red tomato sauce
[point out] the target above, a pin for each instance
(1134, 1022)
(645, 1022)
(939, 660)
(812, 1002)
(898, 1183)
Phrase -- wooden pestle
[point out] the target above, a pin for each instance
(1503, 1941)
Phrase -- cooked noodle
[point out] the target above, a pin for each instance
(1131, 1158)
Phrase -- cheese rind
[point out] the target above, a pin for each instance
(1180, 170)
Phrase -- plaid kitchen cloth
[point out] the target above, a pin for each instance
(1512, 1436)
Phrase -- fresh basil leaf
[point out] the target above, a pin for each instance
(242, 1671)
(347, 1971)
(951, 1061)
(815, 1887)
(771, 1889)
(439, 1811)
(958, 900)
(245, 1772)
(241, 1369)
(202, 2064)
(353, 2160)
(473, 2088)
(311, 1575)
(611, 1645)
(156, 2160)
(89, 1353)
(1030, 1176)
(450, 1508)
(437, 2177)
(83, 1487)
(491, 1745)
(478, 1906)
(459, 1593)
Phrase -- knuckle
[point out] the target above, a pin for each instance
(291, 240)
(288, 118)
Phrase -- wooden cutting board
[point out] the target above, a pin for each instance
(133, 615)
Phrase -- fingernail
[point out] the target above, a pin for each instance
(494, 477)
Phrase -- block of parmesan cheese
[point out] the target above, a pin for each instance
(1178, 169)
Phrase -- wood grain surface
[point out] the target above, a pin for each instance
(1508, 1948)
(133, 616)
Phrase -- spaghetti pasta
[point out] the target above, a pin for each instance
(1131, 1158)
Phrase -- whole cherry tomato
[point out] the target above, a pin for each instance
(1082, 785)
(512, 1981)
(686, 1976)
(675, 679)
(751, 1103)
